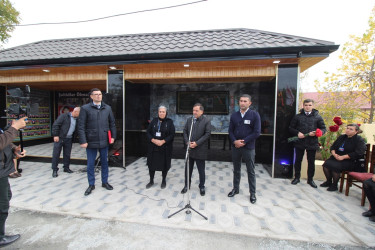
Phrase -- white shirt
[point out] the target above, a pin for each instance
(242, 115)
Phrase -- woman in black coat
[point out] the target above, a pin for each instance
(346, 150)
(160, 134)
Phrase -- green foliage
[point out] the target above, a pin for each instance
(327, 140)
(9, 17)
(355, 76)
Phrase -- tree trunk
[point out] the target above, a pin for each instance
(372, 91)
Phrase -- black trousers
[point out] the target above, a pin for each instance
(310, 163)
(369, 188)
(66, 145)
(201, 165)
(5, 196)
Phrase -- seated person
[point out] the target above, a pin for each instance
(346, 150)
(369, 187)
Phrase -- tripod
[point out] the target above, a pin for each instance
(188, 206)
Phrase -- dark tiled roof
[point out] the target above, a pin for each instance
(136, 45)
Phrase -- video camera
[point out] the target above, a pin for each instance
(21, 99)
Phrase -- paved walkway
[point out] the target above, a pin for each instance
(283, 211)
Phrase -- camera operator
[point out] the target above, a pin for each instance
(7, 151)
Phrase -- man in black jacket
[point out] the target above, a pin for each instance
(63, 131)
(7, 151)
(200, 134)
(306, 122)
(369, 188)
(96, 130)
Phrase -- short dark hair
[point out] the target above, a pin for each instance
(356, 127)
(308, 100)
(94, 89)
(246, 96)
(199, 105)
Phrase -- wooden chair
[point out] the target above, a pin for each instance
(366, 160)
(357, 179)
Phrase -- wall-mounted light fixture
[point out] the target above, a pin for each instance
(112, 67)
(276, 61)
(46, 70)
(186, 65)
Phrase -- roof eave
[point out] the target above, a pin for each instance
(212, 55)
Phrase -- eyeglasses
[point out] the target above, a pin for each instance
(96, 94)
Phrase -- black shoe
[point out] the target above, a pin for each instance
(89, 189)
(54, 173)
(8, 239)
(67, 170)
(253, 198)
(107, 186)
(332, 188)
(163, 184)
(368, 213)
(184, 190)
(202, 191)
(372, 218)
(326, 184)
(233, 192)
(295, 181)
(149, 184)
(312, 183)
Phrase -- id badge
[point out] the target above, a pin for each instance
(247, 121)
(158, 134)
(341, 149)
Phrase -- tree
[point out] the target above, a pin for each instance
(355, 76)
(9, 17)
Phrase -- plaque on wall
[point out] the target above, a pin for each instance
(38, 106)
(214, 102)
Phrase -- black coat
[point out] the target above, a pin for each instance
(200, 134)
(6, 151)
(307, 123)
(94, 124)
(61, 126)
(354, 146)
(167, 131)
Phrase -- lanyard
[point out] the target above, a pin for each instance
(159, 124)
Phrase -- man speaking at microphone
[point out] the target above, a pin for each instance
(200, 133)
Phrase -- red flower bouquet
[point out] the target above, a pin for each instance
(337, 120)
(318, 133)
(332, 134)
(334, 128)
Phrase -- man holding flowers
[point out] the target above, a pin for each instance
(304, 125)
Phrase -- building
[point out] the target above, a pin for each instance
(360, 106)
(140, 71)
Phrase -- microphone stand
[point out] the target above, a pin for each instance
(188, 206)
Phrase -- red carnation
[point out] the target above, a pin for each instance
(337, 120)
(334, 128)
(318, 133)
(359, 124)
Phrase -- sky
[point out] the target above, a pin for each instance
(329, 20)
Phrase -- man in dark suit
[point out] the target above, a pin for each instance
(244, 129)
(306, 122)
(200, 134)
(95, 122)
(369, 188)
(63, 131)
